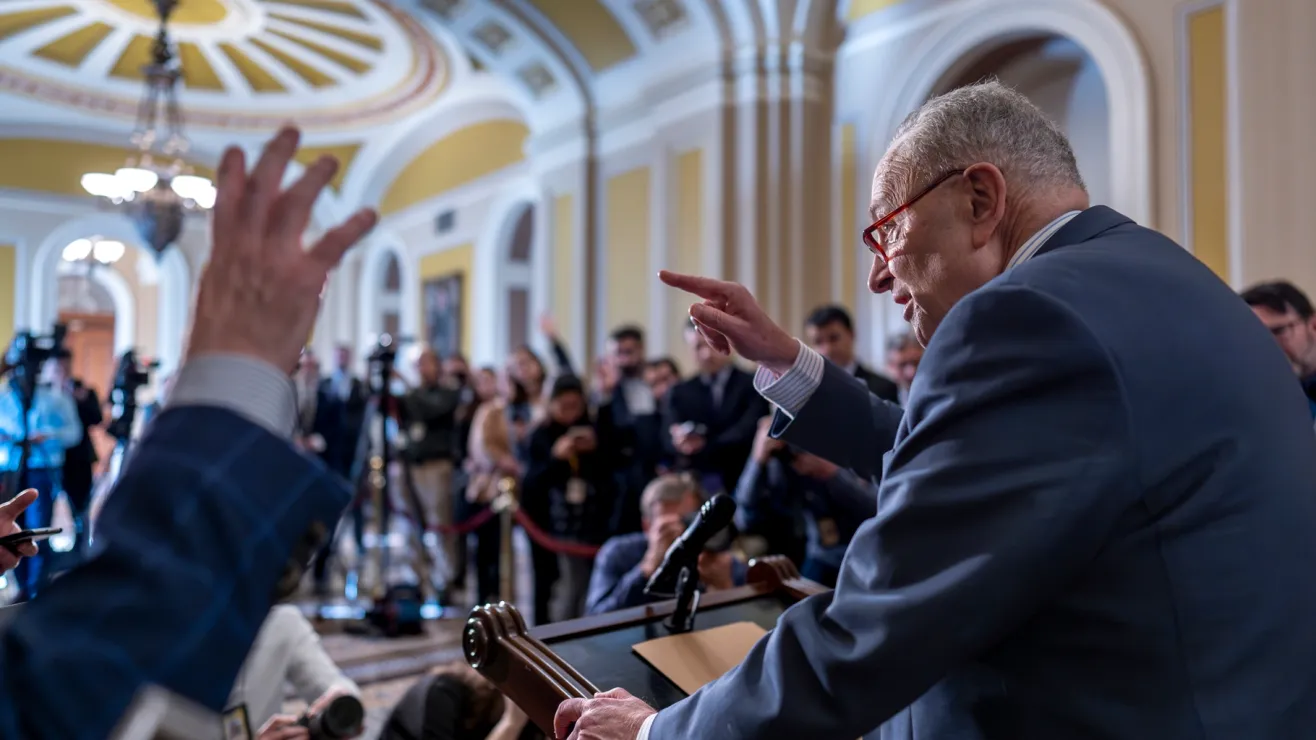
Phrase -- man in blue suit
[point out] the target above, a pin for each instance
(1095, 517)
(216, 513)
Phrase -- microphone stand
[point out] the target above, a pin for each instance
(682, 619)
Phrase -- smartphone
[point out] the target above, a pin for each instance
(29, 535)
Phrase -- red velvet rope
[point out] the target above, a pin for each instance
(552, 544)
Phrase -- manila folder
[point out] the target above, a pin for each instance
(693, 659)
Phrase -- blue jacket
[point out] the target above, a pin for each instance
(53, 415)
(1095, 520)
(212, 516)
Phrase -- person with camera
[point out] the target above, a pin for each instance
(287, 651)
(429, 411)
(711, 417)
(626, 562)
(781, 485)
(52, 426)
(80, 459)
(571, 476)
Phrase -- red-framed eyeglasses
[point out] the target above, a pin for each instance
(880, 231)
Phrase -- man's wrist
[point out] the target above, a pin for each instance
(780, 367)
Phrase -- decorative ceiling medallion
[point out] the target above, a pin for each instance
(448, 9)
(537, 77)
(662, 17)
(494, 37)
(320, 63)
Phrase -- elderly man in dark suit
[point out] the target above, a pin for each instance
(216, 513)
(1095, 516)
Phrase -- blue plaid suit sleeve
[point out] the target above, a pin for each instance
(203, 524)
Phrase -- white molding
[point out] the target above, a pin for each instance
(1234, 144)
(121, 294)
(458, 199)
(490, 283)
(662, 200)
(372, 302)
(175, 281)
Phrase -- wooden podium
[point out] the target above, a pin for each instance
(539, 668)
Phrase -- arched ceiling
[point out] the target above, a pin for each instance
(245, 63)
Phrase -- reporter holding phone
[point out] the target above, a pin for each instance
(11, 512)
(52, 427)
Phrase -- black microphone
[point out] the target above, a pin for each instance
(713, 517)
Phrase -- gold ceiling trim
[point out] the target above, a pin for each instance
(357, 37)
(12, 24)
(346, 61)
(135, 56)
(311, 75)
(341, 7)
(258, 78)
(591, 28)
(198, 74)
(73, 48)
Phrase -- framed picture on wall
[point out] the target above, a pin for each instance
(443, 308)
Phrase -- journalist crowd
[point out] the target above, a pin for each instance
(258, 451)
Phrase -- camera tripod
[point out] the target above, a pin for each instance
(372, 474)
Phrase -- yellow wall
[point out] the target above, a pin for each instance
(861, 8)
(687, 238)
(55, 166)
(1208, 158)
(455, 160)
(626, 246)
(591, 28)
(848, 236)
(8, 290)
(455, 261)
(565, 286)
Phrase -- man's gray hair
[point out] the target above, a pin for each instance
(983, 122)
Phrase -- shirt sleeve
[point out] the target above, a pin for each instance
(251, 388)
(644, 728)
(791, 391)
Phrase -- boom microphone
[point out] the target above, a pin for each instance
(713, 517)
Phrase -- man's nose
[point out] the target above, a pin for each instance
(880, 279)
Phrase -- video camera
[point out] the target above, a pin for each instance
(129, 375)
(28, 352)
(343, 718)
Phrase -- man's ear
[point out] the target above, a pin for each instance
(986, 199)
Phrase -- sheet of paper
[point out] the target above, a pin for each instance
(696, 658)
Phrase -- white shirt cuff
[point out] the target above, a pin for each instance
(794, 389)
(246, 386)
(644, 728)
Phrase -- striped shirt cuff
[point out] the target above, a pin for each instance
(791, 391)
(246, 386)
(644, 728)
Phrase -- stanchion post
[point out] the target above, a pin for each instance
(506, 505)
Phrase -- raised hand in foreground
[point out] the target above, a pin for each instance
(261, 290)
(732, 321)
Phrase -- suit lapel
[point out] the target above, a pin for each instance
(1085, 226)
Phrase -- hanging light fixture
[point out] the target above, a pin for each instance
(156, 187)
(94, 252)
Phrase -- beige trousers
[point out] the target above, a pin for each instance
(433, 482)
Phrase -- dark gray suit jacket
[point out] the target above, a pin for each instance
(1096, 521)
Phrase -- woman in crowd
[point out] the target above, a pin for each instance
(567, 473)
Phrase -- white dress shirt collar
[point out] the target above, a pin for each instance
(1035, 242)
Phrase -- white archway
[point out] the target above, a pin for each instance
(973, 25)
(492, 278)
(374, 264)
(175, 281)
(121, 294)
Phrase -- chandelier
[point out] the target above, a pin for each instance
(156, 187)
(94, 252)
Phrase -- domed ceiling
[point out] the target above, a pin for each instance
(245, 63)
